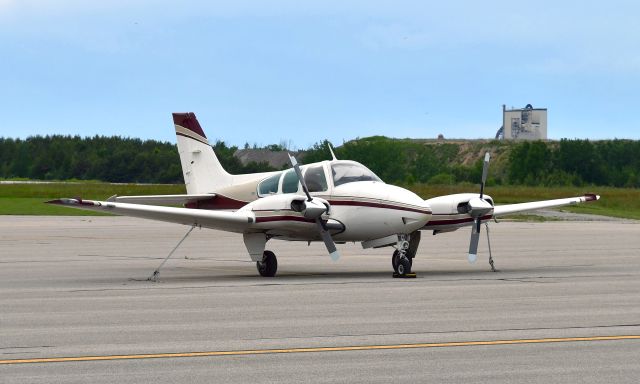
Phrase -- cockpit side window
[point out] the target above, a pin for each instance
(315, 179)
(290, 182)
(350, 172)
(269, 185)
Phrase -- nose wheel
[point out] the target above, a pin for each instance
(400, 260)
(395, 260)
(268, 266)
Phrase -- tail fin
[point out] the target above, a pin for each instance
(201, 169)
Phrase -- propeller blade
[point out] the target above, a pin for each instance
(324, 233)
(475, 239)
(477, 208)
(328, 241)
(296, 167)
(485, 172)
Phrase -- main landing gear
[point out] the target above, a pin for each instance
(268, 266)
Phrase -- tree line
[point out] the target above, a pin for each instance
(576, 162)
(550, 163)
(130, 160)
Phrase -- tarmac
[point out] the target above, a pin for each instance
(76, 306)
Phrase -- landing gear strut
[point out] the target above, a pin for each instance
(493, 269)
(268, 266)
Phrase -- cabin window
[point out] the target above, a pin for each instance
(269, 186)
(290, 182)
(315, 179)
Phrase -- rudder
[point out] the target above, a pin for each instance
(201, 169)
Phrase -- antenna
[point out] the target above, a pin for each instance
(331, 150)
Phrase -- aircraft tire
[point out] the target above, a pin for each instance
(394, 260)
(404, 266)
(269, 264)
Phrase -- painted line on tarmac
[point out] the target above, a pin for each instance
(317, 349)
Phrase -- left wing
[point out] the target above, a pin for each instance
(237, 221)
(501, 210)
(161, 199)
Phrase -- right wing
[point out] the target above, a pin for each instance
(501, 210)
(237, 221)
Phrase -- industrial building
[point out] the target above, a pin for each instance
(526, 123)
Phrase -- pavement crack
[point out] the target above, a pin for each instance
(467, 331)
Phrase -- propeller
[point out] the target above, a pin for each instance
(478, 207)
(313, 209)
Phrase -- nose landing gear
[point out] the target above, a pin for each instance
(400, 260)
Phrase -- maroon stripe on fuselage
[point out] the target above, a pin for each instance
(224, 202)
(378, 205)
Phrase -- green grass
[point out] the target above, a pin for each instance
(614, 202)
(36, 206)
(87, 190)
(28, 199)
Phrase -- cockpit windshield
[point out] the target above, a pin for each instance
(348, 172)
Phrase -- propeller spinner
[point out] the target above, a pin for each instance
(313, 209)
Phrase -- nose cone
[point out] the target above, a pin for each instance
(373, 210)
(405, 196)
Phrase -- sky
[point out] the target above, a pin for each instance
(264, 72)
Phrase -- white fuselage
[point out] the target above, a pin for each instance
(359, 210)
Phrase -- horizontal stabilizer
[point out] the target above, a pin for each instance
(162, 199)
(226, 221)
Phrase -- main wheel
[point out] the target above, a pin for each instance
(396, 257)
(404, 266)
(268, 266)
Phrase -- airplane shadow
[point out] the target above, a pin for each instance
(547, 274)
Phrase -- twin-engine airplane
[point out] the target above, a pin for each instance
(330, 201)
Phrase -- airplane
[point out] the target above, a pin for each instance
(333, 201)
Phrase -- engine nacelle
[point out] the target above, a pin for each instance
(289, 202)
(452, 212)
(455, 204)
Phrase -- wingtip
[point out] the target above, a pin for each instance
(591, 197)
(62, 201)
(76, 201)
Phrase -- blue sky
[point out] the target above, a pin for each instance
(271, 71)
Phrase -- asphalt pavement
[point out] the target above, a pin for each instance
(76, 306)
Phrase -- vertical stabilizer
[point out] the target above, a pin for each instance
(201, 169)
